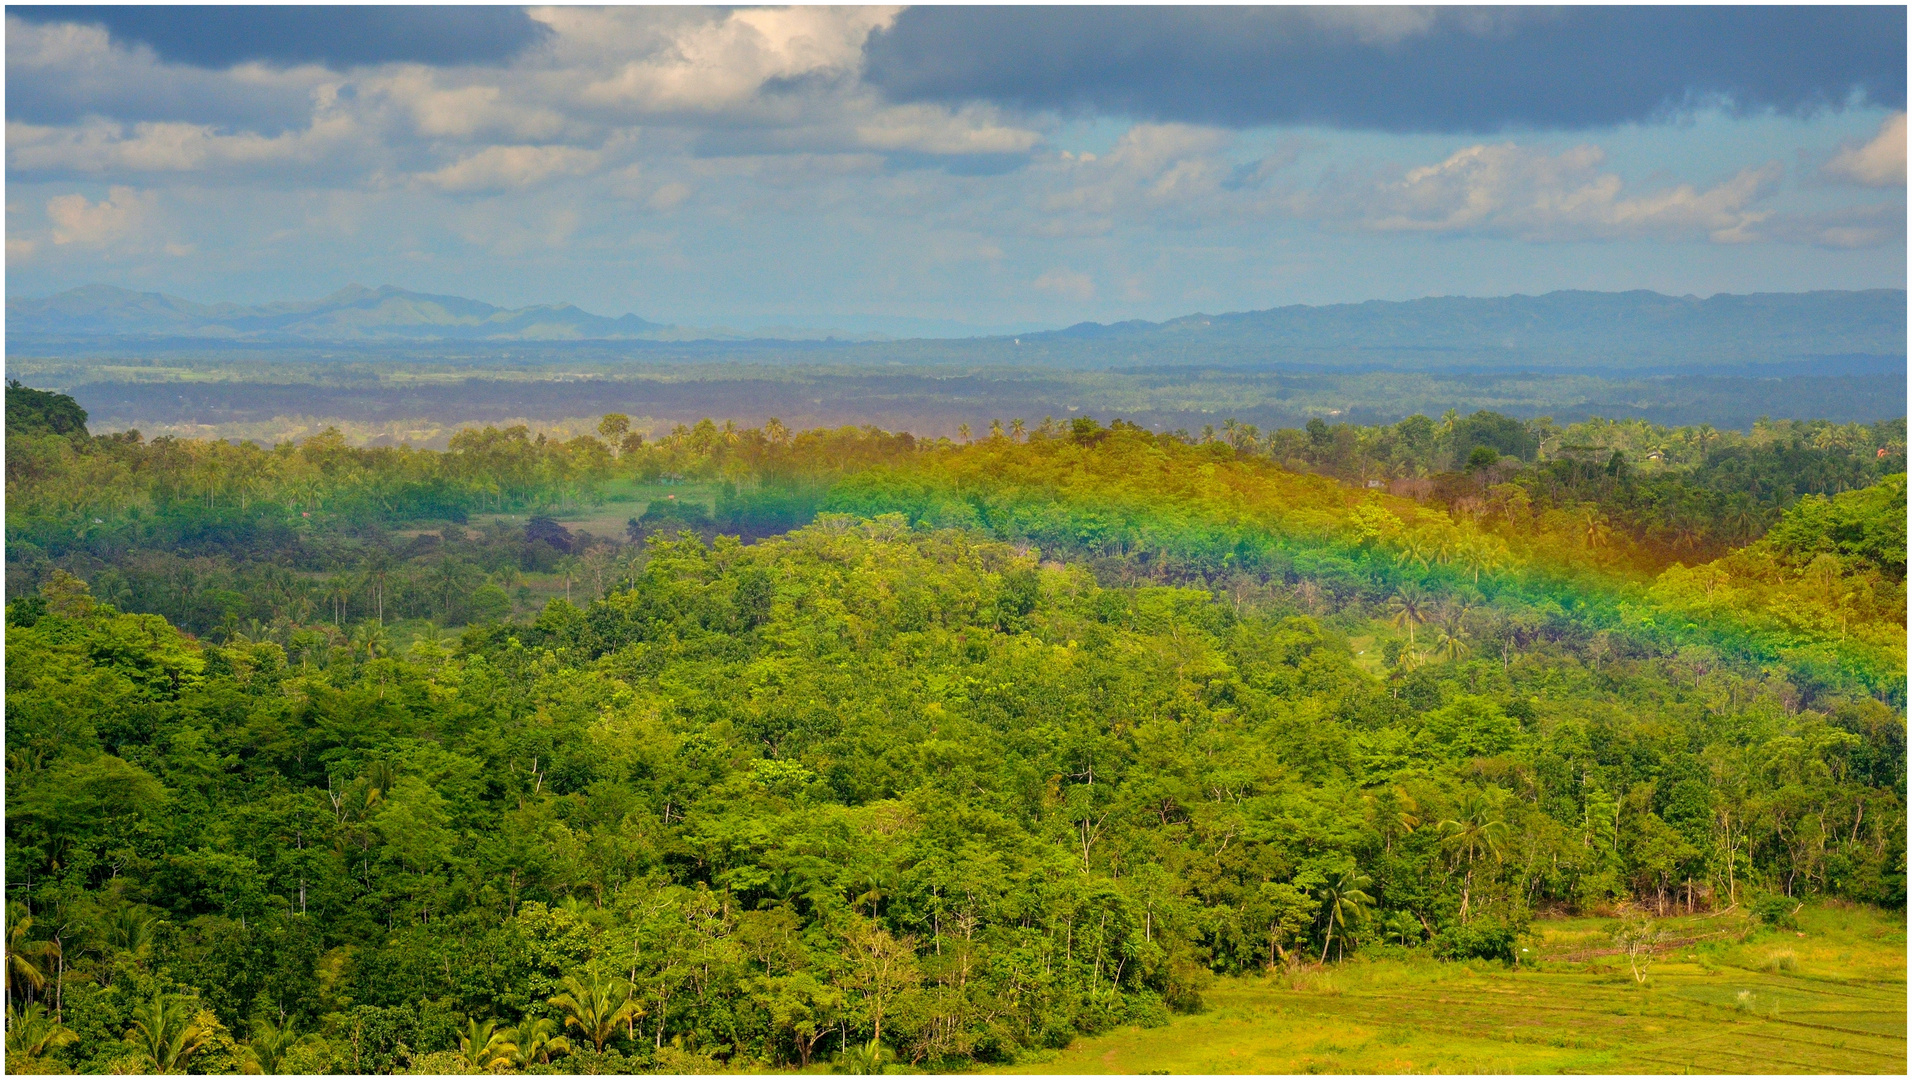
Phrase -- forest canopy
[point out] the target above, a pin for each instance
(854, 746)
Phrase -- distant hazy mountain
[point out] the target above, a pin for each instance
(354, 313)
(1629, 328)
(1823, 332)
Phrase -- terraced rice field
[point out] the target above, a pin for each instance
(1731, 999)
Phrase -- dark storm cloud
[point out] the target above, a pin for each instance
(1394, 70)
(340, 37)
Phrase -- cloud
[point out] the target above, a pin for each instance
(103, 146)
(1509, 190)
(934, 130)
(729, 144)
(1152, 166)
(1870, 226)
(508, 168)
(722, 63)
(461, 110)
(75, 220)
(59, 73)
(339, 37)
(1879, 163)
(1393, 69)
(1067, 284)
(669, 196)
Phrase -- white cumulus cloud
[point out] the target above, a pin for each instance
(103, 146)
(710, 65)
(1879, 163)
(1510, 190)
(506, 168)
(74, 219)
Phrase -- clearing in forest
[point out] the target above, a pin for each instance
(1723, 998)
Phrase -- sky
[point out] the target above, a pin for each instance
(953, 170)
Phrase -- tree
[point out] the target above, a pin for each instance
(370, 640)
(271, 1043)
(166, 1032)
(881, 967)
(1638, 938)
(865, 1060)
(803, 1006)
(1594, 525)
(1479, 553)
(483, 1044)
(1342, 903)
(1402, 926)
(1477, 830)
(596, 1006)
(536, 1040)
(26, 958)
(1452, 643)
(32, 1033)
(1415, 551)
(614, 426)
(1409, 608)
(1285, 910)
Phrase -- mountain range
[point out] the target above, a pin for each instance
(354, 313)
(1637, 330)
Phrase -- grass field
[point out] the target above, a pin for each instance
(1830, 998)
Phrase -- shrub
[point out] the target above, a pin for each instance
(1482, 939)
(1776, 912)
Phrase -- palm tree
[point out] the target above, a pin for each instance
(1016, 428)
(271, 1043)
(1341, 904)
(26, 958)
(1452, 643)
(166, 1033)
(537, 1040)
(380, 777)
(1595, 524)
(995, 429)
(1476, 830)
(1409, 607)
(484, 1044)
(1479, 554)
(32, 1033)
(129, 933)
(568, 566)
(863, 1060)
(962, 432)
(1414, 552)
(1403, 925)
(371, 640)
(596, 1007)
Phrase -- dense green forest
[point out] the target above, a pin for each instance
(878, 749)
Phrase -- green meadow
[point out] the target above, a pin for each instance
(1719, 996)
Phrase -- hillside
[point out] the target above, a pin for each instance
(978, 751)
(1817, 333)
(1628, 329)
(354, 313)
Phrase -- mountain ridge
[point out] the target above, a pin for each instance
(354, 312)
(1631, 329)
